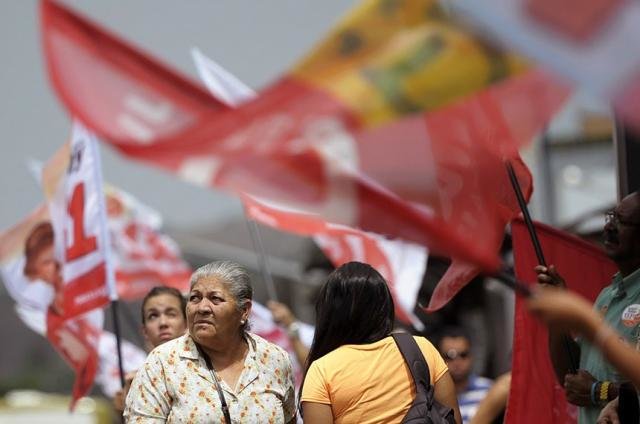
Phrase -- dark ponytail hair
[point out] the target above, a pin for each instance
(354, 306)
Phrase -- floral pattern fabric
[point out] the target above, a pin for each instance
(175, 386)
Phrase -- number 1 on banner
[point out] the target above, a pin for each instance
(82, 245)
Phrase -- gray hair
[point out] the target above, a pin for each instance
(234, 276)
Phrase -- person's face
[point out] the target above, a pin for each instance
(163, 319)
(46, 267)
(621, 241)
(212, 312)
(457, 354)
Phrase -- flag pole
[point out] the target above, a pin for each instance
(508, 279)
(573, 364)
(256, 239)
(131, 323)
(109, 266)
(116, 331)
(525, 213)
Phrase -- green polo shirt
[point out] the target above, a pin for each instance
(619, 303)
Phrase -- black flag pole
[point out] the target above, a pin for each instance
(573, 364)
(525, 213)
(512, 282)
(116, 330)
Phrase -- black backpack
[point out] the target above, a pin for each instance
(424, 409)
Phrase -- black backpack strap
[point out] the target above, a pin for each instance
(414, 358)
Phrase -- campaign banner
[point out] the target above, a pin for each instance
(306, 147)
(33, 278)
(74, 194)
(141, 255)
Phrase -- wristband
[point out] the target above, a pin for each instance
(594, 390)
(604, 391)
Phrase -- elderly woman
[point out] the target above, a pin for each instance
(218, 372)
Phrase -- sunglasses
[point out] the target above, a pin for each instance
(452, 354)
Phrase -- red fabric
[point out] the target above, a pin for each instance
(586, 270)
(438, 185)
(339, 243)
(145, 258)
(577, 19)
(460, 273)
(76, 340)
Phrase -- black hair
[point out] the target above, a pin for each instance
(158, 290)
(354, 306)
(453, 332)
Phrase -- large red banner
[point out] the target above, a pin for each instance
(586, 271)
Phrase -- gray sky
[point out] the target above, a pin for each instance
(256, 40)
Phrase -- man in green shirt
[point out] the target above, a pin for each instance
(596, 381)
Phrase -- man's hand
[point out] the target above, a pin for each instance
(549, 276)
(577, 388)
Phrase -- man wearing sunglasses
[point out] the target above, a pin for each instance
(597, 381)
(455, 347)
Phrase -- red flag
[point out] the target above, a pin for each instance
(143, 256)
(299, 146)
(76, 340)
(401, 264)
(460, 273)
(586, 271)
